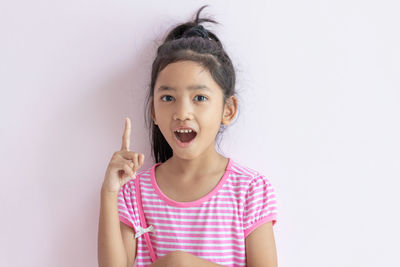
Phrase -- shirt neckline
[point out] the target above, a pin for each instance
(190, 203)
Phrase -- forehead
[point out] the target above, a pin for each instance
(185, 75)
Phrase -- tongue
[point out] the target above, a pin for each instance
(186, 137)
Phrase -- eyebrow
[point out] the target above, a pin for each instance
(191, 87)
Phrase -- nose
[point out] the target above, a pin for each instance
(183, 110)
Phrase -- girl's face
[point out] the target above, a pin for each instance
(186, 95)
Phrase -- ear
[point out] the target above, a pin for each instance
(152, 110)
(230, 109)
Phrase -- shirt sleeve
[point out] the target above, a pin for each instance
(127, 206)
(260, 204)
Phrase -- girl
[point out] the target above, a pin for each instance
(193, 207)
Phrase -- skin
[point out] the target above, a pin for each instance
(203, 110)
(260, 244)
(189, 166)
(197, 168)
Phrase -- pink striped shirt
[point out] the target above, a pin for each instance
(213, 227)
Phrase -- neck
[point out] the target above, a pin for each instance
(202, 165)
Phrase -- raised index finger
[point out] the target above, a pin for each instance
(127, 135)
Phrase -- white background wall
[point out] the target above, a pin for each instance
(319, 98)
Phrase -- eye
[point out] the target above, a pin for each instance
(202, 97)
(168, 96)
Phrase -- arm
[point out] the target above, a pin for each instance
(111, 250)
(128, 235)
(260, 247)
(180, 258)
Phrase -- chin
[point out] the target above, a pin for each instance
(185, 155)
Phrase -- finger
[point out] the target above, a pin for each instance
(135, 162)
(135, 158)
(127, 135)
(125, 170)
(128, 155)
(118, 163)
(141, 159)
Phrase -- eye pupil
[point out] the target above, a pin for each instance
(166, 97)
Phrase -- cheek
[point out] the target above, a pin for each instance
(158, 111)
(211, 119)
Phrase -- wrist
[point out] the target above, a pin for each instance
(106, 192)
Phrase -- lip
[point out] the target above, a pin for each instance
(181, 144)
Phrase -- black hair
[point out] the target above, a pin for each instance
(207, 50)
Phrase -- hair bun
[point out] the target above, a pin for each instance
(198, 31)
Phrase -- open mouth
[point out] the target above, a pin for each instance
(185, 137)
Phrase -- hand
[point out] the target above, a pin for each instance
(171, 259)
(123, 164)
(180, 258)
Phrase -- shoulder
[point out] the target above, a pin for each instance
(253, 184)
(246, 174)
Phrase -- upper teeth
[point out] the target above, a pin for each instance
(184, 131)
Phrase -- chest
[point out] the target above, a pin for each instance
(182, 189)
